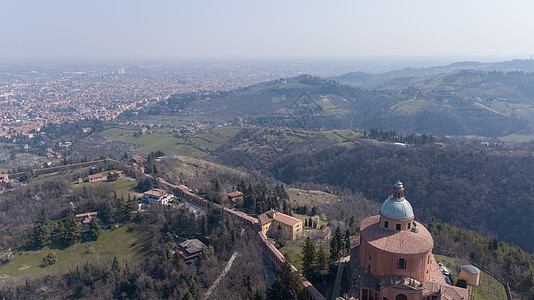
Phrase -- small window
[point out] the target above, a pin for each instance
(401, 264)
(398, 227)
(409, 225)
(386, 224)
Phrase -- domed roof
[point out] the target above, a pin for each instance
(396, 206)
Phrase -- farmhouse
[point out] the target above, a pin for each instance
(96, 177)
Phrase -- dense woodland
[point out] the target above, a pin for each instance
(487, 188)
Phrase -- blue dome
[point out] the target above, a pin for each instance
(396, 208)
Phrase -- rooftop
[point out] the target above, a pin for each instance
(192, 246)
(268, 216)
(156, 192)
(400, 242)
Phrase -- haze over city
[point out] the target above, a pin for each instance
(267, 150)
(463, 30)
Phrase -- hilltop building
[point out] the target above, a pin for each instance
(157, 196)
(393, 260)
(289, 227)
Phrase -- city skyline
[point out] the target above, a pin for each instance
(34, 30)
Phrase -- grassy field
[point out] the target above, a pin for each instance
(488, 289)
(197, 145)
(293, 251)
(517, 138)
(310, 197)
(122, 186)
(302, 217)
(190, 166)
(128, 243)
(341, 135)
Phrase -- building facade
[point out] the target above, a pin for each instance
(157, 196)
(393, 260)
(275, 222)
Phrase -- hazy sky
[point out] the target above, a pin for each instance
(265, 29)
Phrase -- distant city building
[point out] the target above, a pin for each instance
(393, 260)
(276, 222)
(157, 196)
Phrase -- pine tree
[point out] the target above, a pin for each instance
(71, 230)
(286, 285)
(322, 262)
(41, 231)
(95, 229)
(308, 257)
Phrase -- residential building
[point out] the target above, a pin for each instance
(190, 249)
(273, 222)
(96, 177)
(157, 196)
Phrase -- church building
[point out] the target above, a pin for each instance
(393, 260)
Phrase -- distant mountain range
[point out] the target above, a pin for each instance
(399, 78)
(461, 99)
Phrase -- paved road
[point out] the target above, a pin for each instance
(340, 268)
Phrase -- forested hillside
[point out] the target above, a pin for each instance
(476, 186)
(465, 103)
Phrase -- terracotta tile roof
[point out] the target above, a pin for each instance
(235, 194)
(285, 219)
(401, 242)
(156, 193)
(87, 214)
(265, 218)
(95, 176)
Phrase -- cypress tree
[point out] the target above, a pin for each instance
(308, 257)
(95, 229)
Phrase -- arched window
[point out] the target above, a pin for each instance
(401, 297)
(401, 264)
(386, 224)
